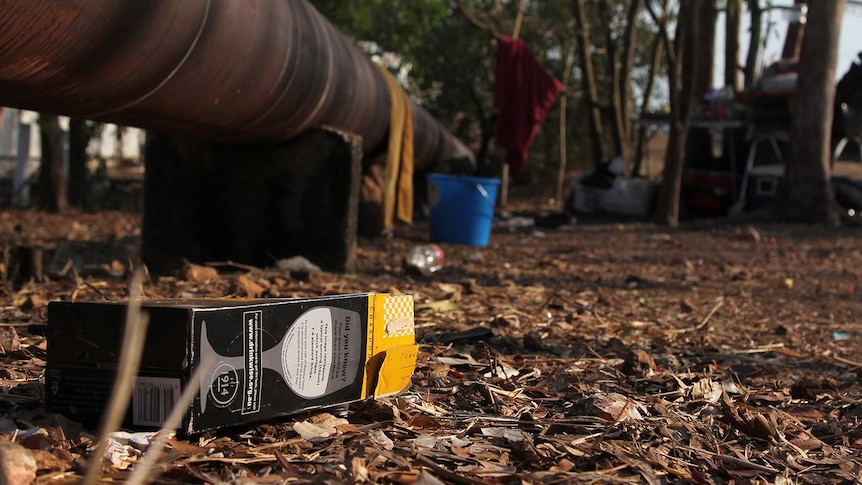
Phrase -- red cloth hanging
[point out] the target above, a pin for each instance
(523, 94)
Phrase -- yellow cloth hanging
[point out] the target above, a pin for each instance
(398, 185)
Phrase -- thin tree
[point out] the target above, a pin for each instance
(733, 17)
(751, 73)
(52, 177)
(618, 132)
(626, 68)
(806, 193)
(80, 134)
(620, 63)
(655, 65)
(682, 55)
(706, 47)
(588, 81)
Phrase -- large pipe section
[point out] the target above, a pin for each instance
(234, 71)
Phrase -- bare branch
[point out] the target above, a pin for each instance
(661, 24)
(459, 9)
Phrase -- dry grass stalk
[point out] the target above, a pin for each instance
(130, 358)
(142, 470)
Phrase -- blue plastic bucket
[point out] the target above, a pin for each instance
(462, 208)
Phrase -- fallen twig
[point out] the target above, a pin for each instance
(849, 362)
(703, 323)
(448, 475)
(734, 460)
(232, 264)
(760, 350)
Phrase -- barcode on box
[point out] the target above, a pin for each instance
(153, 400)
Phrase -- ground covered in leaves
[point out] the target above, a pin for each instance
(590, 352)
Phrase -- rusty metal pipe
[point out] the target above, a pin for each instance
(233, 71)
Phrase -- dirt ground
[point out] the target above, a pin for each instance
(606, 351)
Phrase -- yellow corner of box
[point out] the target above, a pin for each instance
(391, 346)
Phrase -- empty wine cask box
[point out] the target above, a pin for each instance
(266, 358)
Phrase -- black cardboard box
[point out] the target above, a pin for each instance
(270, 358)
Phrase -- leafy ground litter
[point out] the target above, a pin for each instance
(606, 352)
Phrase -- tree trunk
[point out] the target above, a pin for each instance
(588, 81)
(731, 46)
(618, 133)
(706, 48)
(655, 65)
(486, 127)
(564, 131)
(795, 33)
(806, 194)
(52, 177)
(625, 82)
(683, 67)
(80, 133)
(754, 43)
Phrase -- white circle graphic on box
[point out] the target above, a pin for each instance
(225, 384)
(306, 356)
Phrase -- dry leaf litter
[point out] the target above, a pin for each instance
(587, 353)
